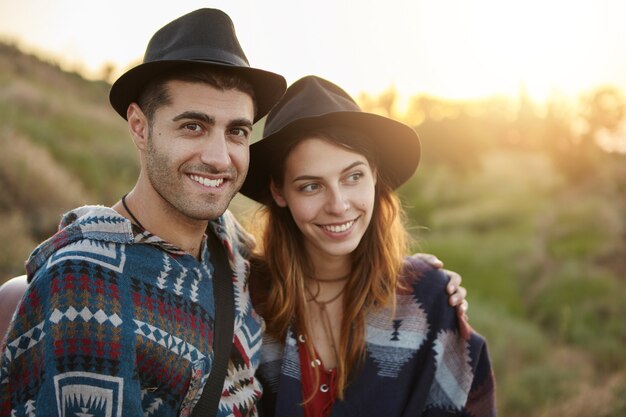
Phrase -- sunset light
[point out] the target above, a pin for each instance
(514, 109)
(448, 48)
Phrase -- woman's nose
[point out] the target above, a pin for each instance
(337, 201)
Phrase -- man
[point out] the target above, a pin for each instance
(118, 319)
(119, 315)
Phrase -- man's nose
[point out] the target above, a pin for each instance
(215, 152)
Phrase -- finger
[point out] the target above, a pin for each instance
(461, 292)
(458, 297)
(465, 329)
(454, 281)
(430, 259)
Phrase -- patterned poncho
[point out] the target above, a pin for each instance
(416, 363)
(116, 322)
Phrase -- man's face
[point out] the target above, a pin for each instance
(198, 148)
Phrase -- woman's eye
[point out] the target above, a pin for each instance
(355, 176)
(309, 188)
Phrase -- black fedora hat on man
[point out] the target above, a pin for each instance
(202, 37)
(313, 102)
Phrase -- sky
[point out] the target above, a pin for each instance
(455, 49)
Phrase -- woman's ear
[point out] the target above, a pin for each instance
(138, 125)
(277, 195)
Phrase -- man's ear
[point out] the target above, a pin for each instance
(138, 126)
(277, 195)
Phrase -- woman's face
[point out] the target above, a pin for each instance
(329, 191)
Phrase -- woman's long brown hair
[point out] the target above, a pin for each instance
(376, 263)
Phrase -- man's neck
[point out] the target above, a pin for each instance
(162, 219)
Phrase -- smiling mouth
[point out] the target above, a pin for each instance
(338, 228)
(206, 181)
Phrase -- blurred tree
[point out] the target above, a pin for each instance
(107, 71)
(603, 108)
(574, 145)
(526, 130)
(384, 104)
(451, 133)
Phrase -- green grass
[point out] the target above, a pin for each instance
(536, 228)
(530, 248)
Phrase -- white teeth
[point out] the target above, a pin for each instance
(207, 182)
(339, 228)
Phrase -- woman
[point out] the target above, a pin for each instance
(10, 295)
(353, 327)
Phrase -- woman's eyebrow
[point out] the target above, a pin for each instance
(313, 177)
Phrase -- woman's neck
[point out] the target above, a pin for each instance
(324, 316)
(328, 268)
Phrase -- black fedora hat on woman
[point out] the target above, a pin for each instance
(312, 103)
(202, 37)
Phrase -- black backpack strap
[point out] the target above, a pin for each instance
(223, 330)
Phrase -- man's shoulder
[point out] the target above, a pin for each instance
(97, 222)
(228, 228)
(88, 233)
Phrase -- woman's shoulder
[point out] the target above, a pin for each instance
(424, 286)
(419, 276)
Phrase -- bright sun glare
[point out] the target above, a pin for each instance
(460, 49)
(494, 46)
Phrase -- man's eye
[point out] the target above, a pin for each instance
(241, 132)
(194, 127)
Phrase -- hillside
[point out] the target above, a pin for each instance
(62, 146)
(530, 210)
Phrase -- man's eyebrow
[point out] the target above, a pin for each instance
(241, 122)
(195, 115)
(203, 117)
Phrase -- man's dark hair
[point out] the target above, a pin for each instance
(155, 94)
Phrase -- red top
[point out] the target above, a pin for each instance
(322, 402)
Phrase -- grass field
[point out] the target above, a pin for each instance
(530, 211)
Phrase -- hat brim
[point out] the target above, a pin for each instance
(268, 87)
(397, 147)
